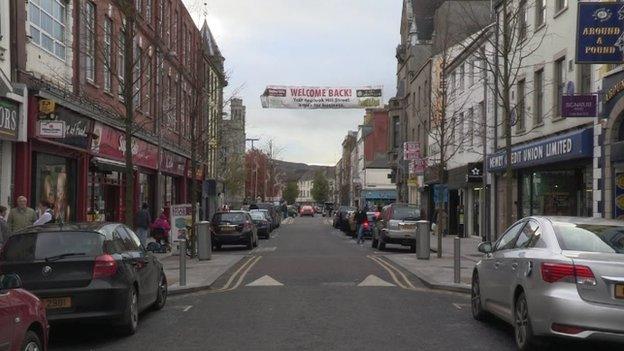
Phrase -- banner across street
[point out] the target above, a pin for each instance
(304, 97)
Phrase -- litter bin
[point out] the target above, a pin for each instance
(204, 244)
(422, 240)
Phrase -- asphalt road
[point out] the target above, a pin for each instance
(305, 294)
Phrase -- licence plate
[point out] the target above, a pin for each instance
(408, 226)
(56, 302)
(227, 229)
(619, 291)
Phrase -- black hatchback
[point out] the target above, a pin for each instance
(87, 271)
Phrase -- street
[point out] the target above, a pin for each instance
(301, 290)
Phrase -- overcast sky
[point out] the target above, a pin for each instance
(303, 42)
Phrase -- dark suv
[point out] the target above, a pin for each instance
(234, 228)
(397, 226)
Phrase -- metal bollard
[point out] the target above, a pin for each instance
(457, 260)
(182, 262)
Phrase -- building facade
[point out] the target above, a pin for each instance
(233, 153)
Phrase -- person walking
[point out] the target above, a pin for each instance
(360, 219)
(45, 213)
(21, 216)
(142, 222)
(5, 232)
(284, 209)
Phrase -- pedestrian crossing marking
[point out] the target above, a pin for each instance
(373, 280)
(265, 281)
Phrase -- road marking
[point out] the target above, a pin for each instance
(460, 306)
(227, 284)
(265, 281)
(187, 308)
(391, 266)
(265, 249)
(373, 280)
(242, 275)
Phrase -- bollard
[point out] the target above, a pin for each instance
(182, 262)
(457, 261)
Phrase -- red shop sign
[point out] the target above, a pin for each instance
(111, 143)
(172, 163)
(199, 173)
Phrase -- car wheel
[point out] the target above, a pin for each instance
(475, 299)
(250, 243)
(525, 340)
(161, 295)
(31, 342)
(381, 245)
(130, 320)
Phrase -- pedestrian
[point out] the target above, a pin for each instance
(160, 229)
(142, 222)
(21, 216)
(285, 210)
(5, 232)
(360, 219)
(45, 213)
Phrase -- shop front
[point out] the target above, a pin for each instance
(465, 185)
(10, 118)
(554, 175)
(378, 197)
(173, 168)
(612, 160)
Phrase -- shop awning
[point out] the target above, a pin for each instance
(106, 165)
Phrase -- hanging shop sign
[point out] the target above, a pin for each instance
(579, 105)
(474, 172)
(411, 150)
(9, 120)
(599, 32)
(111, 143)
(570, 146)
(304, 97)
(172, 163)
(68, 126)
(619, 196)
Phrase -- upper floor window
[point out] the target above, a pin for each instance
(47, 25)
(559, 84)
(520, 106)
(108, 54)
(90, 41)
(540, 13)
(538, 97)
(584, 78)
(560, 5)
(522, 20)
(148, 11)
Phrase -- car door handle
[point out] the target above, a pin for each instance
(514, 266)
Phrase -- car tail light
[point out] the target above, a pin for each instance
(554, 272)
(105, 266)
(567, 329)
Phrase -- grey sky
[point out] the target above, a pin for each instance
(304, 42)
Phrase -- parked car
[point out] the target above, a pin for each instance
(397, 226)
(233, 228)
(292, 211)
(328, 209)
(267, 215)
(341, 219)
(17, 304)
(275, 214)
(554, 276)
(262, 220)
(307, 211)
(87, 271)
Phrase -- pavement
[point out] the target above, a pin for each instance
(439, 273)
(308, 287)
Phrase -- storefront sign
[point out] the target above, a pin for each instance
(612, 87)
(599, 30)
(474, 172)
(111, 143)
(172, 163)
(52, 129)
(411, 151)
(579, 105)
(619, 196)
(565, 147)
(9, 116)
(386, 194)
(300, 97)
(76, 128)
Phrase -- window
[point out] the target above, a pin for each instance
(460, 131)
(90, 41)
(148, 84)
(508, 239)
(471, 71)
(584, 78)
(137, 77)
(482, 125)
(47, 25)
(560, 5)
(138, 6)
(471, 126)
(522, 20)
(148, 11)
(520, 106)
(529, 235)
(131, 241)
(559, 84)
(538, 97)
(108, 56)
(121, 64)
(395, 131)
(540, 13)
(462, 74)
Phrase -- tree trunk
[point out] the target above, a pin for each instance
(507, 79)
(129, 118)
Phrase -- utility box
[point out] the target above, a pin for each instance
(423, 238)
(204, 241)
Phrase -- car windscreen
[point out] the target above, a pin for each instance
(590, 237)
(406, 213)
(232, 217)
(40, 246)
(258, 216)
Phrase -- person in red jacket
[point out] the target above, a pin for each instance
(160, 229)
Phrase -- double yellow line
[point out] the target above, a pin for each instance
(240, 273)
(397, 276)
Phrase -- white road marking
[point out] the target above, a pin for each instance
(187, 308)
(265, 249)
(460, 306)
(373, 280)
(265, 281)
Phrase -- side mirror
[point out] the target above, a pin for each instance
(10, 281)
(485, 247)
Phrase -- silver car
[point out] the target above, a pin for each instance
(554, 276)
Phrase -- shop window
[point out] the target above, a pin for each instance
(55, 181)
(555, 193)
(104, 192)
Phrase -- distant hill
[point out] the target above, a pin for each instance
(292, 171)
